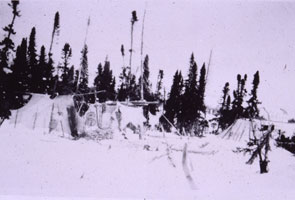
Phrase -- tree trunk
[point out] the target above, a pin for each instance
(263, 166)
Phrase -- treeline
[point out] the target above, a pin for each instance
(185, 108)
(231, 110)
(35, 71)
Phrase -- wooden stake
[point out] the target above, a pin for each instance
(51, 118)
(16, 115)
(34, 124)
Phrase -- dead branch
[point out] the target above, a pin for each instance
(185, 168)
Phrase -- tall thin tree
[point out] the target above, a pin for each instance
(133, 20)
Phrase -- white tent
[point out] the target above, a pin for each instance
(46, 115)
(43, 114)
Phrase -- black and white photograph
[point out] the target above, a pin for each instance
(147, 99)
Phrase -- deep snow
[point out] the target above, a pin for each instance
(35, 165)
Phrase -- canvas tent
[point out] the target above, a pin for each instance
(242, 129)
(47, 115)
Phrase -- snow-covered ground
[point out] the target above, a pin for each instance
(38, 165)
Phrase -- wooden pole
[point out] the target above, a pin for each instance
(141, 58)
(209, 63)
(16, 115)
(34, 124)
(96, 115)
(51, 118)
(171, 124)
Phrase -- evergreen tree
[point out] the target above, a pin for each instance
(124, 85)
(76, 78)
(66, 56)
(159, 95)
(128, 88)
(70, 80)
(237, 104)
(105, 81)
(124, 78)
(132, 90)
(190, 102)
(133, 20)
(112, 90)
(225, 108)
(53, 82)
(42, 65)
(34, 73)
(225, 92)
(83, 82)
(98, 80)
(252, 110)
(172, 109)
(201, 90)
(147, 94)
(55, 31)
(66, 85)
(19, 77)
(47, 72)
(7, 45)
(20, 67)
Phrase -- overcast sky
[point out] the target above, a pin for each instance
(245, 36)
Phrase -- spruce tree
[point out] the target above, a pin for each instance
(201, 90)
(239, 94)
(109, 81)
(147, 94)
(124, 79)
(47, 72)
(70, 80)
(7, 45)
(20, 67)
(55, 32)
(42, 65)
(112, 90)
(190, 102)
(83, 82)
(124, 85)
(225, 92)
(34, 72)
(252, 109)
(105, 81)
(225, 107)
(66, 85)
(19, 77)
(132, 90)
(133, 20)
(66, 56)
(172, 109)
(159, 95)
(98, 80)
(76, 78)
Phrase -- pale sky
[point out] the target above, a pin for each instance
(245, 36)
